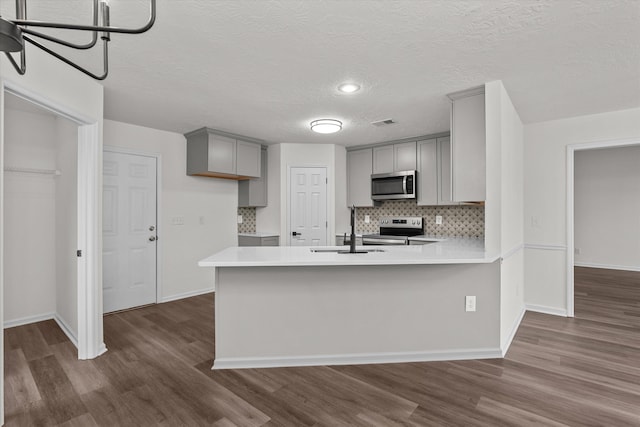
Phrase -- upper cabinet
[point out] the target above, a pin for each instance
(253, 192)
(468, 145)
(434, 172)
(220, 155)
(359, 169)
(394, 157)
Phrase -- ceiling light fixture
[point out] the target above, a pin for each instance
(326, 125)
(348, 88)
(14, 32)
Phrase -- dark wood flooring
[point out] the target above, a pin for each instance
(580, 372)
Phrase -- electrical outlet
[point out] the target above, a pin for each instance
(576, 251)
(239, 219)
(438, 219)
(367, 219)
(470, 303)
(177, 220)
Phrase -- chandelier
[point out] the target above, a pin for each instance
(14, 33)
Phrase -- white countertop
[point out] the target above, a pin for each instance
(259, 234)
(450, 251)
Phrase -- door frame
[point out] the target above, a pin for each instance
(158, 157)
(90, 342)
(571, 150)
(288, 207)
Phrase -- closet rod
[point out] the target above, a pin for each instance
(32, 170)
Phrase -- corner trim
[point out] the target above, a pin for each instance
(514, 329)
(606, 266)
(187, 295)
(66, 329)
(545, 247)
(351, 359)
(547, 310)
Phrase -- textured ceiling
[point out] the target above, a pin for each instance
(267, 68)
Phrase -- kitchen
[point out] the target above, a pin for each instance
(522, 179)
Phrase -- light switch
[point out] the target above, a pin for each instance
(438, 219)
(177, 220)
(239, 219)
(367, 219)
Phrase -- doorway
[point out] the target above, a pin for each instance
(129, 232)
(308, 225)
(571, 209)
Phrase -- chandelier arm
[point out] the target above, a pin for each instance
(107, 29)
(73, 64)
(22, 68)
(89, 45)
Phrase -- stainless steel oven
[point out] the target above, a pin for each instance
(395, 231)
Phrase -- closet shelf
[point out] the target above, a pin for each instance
(32, 170)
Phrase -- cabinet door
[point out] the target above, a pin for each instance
(468, 148)
(444, 171)
(428, 172)
(222, 154)
(248, 159)
(253, 192)
(404, 156)
(359, 170)
(383, 159)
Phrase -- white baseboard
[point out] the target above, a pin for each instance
(512, 333)
(66, 329)
(547, 310)
(354, 359)
(187, 294)
(606, 266)
(29, 319)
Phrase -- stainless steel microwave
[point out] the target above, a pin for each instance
(395, 185)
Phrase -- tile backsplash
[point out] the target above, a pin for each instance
(457, 221)
(461, 221)
(248, 220)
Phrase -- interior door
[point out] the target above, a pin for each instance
(129, 230)
(308, 203)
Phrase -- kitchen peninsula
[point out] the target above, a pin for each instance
(293, 306)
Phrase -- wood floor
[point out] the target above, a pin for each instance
(580, 372)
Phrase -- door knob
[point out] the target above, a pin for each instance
(152, 238)
(151, 228)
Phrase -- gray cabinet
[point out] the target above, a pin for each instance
(220, 155)
(434, 172)
(394, 157)
(468, 145)
(246, 240)
(253, 192)
(359, 169)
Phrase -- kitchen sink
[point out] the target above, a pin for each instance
(345, 250)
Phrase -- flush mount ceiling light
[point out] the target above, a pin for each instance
(14, 32)
(348, 88)
(326, 125)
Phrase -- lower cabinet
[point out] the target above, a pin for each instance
(245, 240)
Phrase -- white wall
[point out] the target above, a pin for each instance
(504, 208)
(343, 216)
(66, 219)
(607, 208)
(29, 214)
(213, 200)
(545, 197)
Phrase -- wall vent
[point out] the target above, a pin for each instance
(384, 122)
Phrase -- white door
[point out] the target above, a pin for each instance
(128, 231)
(308, 202)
